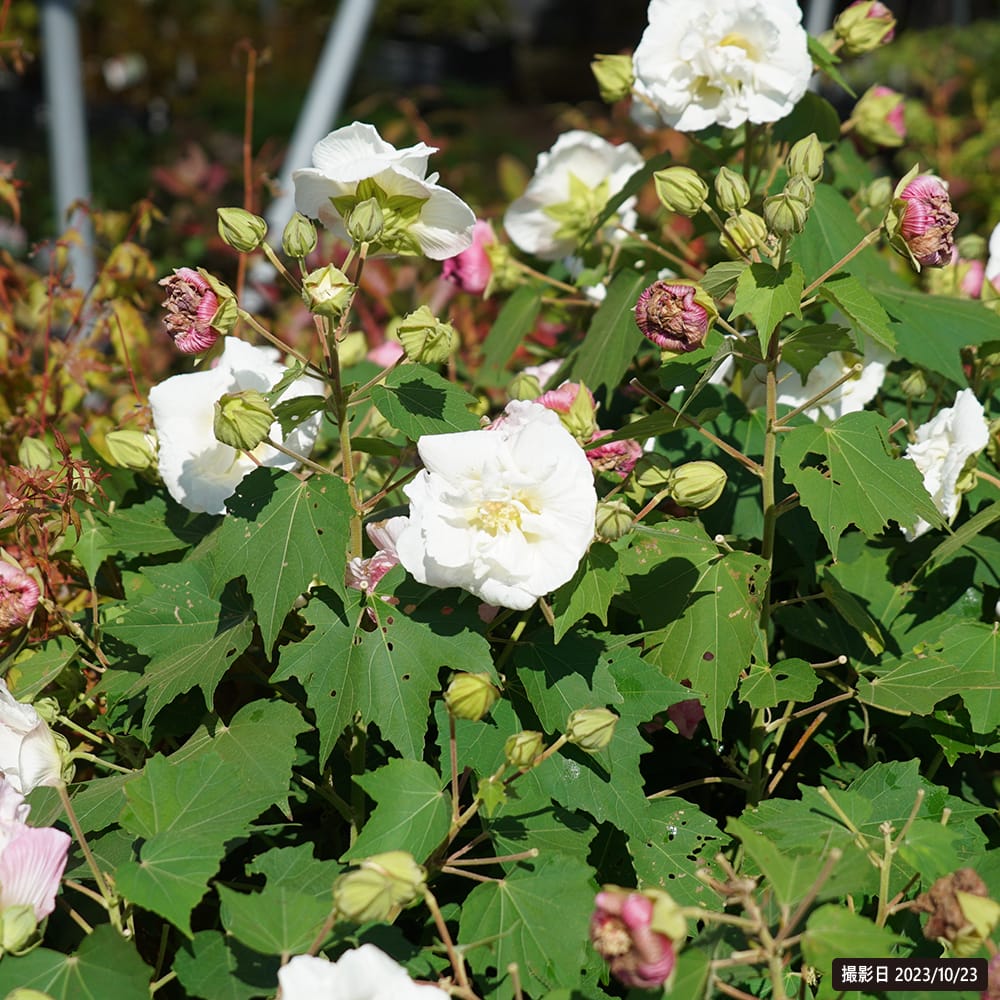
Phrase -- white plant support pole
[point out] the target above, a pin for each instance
(67, 127)
(323, 103)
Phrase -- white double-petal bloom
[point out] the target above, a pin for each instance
(355, 163)
(571, 185)
(364, 973)
(720, 62)
(199, 471)
(941, 450)
(505, 513)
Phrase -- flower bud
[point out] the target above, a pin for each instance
(785, 214)
(327, 291)
(805, 158)
(366, 221)
(614, 75)
(242, 419)
(299, 237)
(19, 596)
(196, 312)
(743, 231)
(614, 518)
(575, 405)
(914, 385)
(731, 190)
(378, 887)
(878, 116)
(864, 26)
(470, 696)
(18, 926)
(131, 449)
(471, 269)
(799, 186)
(34, 453)
(522, 749)
(591, 729)
(425, 338)
(524, 386)
(618, 457)
(676, 315)
(504, 272)
(638, 934)
(982, 916)
(877, 195)
(240, 229)
(652, 471)
(697, 485)
(680, 190)
(920, 222)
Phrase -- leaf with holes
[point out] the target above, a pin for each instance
(282, 535)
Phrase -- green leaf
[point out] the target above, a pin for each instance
(104, 966)
(188, 807)
(293, 412)
(962, 537)
(386, 674)
(767, 295)
(835, 932)
(515, 920)
(786, 680)
(513, 323)
(720, 279)
(189, 636)
(35, 668)
(932, 849)
(155, 527)
(597, 579)
(703, 607)
(215, 967)
(933, 329)
(612, 338)
(282, 535)
(92, 546)
(412, 814)
(851, 297)
(809, 345)
(851, 610)
(863, 485)
(827, 62)
(417, 401)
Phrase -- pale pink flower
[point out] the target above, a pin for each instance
(686, 715)
(364, 574)
(387, 353)
(191, 305)
(471, 269)
(617, 456)
(19, 596)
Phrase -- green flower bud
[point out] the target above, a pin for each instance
(363, 895)
(697, 485)
(680, 190)
(425, 338)
(580, 419)
(299, 238)
(972, 246)
(470, 696)
(522, 749)
(591, 729)
(785, 215)
(799, 186)
(131, 449)
(652, 471)
(48, 709)
(744, 231)
(614, 75)
(505, 274)
(240, 229)
(364, 224)
(34, 453)
(982, 915)
(877, 195)
(805, 158)
(914, 385)
(523, 386)
(327, 291)
(614, 519)
(864, 26)
(18, 927)
(878, 117)
(731, 190)
(242, 419)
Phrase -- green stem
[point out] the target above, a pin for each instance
(93, 759)
(107, 894)
(277, 341)
(359, 744)
(301, 459)
(866, 241)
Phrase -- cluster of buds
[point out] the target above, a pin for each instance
(962, 916)
(199, 310)
(676, 315)
(785, 213)
(379, 887)
(920, 223)
(864, 26)
(637, 934)
(694, 485)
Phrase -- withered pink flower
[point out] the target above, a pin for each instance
(191, 306)
(621, 930)
(686, 715)
(675, 315)
(926, 221)
(617, 456)
(365, 574)
(471, 269)
(19, 596)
